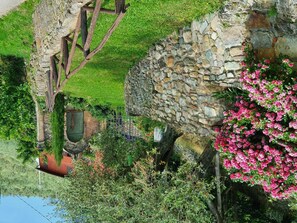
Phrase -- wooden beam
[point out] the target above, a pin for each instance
(88, 8)
(84, 29)
(119, 6)
(107, 11)
(74, 43)
(65, 52)
(102, 10)
(92, 25)
(60, 66)
(54, 71)
(50, 83)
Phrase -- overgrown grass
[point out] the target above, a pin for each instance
(16, 31)
(21, 179)
(146, 22)
(57, 124)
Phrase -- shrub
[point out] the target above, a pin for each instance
(258, 138)
(119, 152)
(17, 112)
(57, 125)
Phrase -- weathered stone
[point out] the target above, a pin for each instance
(267, 53)
(232, 66)
(195, 26)
(233, 36)
(159, 88)
(214, 35)
(203, 26)
(236, 51)
(261, 39)
(178, 116)
(258, 21)
(230, 75)
(209, 112)
(157, 55)
(187, 36)
(215, 23)
(182, 102)
(170, 61)
(287, 45)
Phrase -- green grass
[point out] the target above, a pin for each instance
(16, 31)
(102, 80)
(146, 22)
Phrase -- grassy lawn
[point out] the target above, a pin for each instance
(16, 31)
(146, 22)
(102, 80)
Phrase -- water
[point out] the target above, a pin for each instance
(25, 192)
(19, 209)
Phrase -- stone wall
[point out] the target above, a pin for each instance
(176, 80)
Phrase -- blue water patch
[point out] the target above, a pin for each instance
(18, 209)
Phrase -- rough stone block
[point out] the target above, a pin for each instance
(232, 66)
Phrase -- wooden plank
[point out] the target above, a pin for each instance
(107, 11)
(119, 6)
(60, 65)
(88, 8)
(74, 43)
(92, 25)
(50, 91)
(84, 29)
(65, 52)
(102, 10)
(54, 70)
(50, 83)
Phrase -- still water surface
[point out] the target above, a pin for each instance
(18, 209)
(25, 192)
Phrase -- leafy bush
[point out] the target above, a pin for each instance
(17, 112)
(258, 138)
(146, 196)
(97, 111)
(119, 152)
(57, 125)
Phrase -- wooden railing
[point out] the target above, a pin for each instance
(60, 63)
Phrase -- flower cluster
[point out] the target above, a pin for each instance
(258, 139)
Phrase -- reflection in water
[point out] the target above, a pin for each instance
(25, 191)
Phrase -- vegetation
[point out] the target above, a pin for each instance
(97, 111)
(16, 31)
(258, 139)
(17, 120)
(183, 192)
(21, 179)
(147, 196)
(119, 152)
(57, 126)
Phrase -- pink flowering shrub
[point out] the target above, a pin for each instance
(258, 139)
